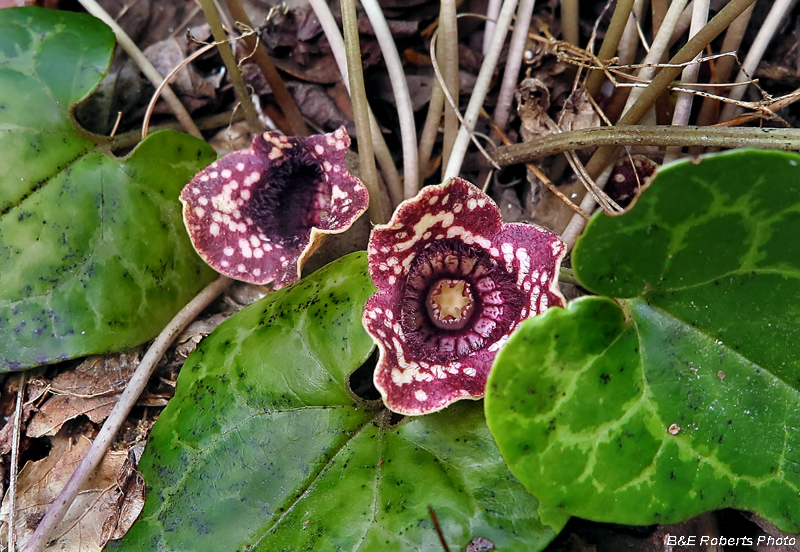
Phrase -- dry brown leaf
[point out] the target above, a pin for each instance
(318, 106)
(197, 330)
(35, 387)
(232, 138)
(91, 389)
(62, 408)
(101, 501)
(533, 101)
(193, 90)
(548, 210)
(98, 375)
(578, 112)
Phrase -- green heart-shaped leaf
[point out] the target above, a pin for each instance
(683, 395)
(93, 253)
(264, 447)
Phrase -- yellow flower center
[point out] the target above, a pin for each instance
(450, 303)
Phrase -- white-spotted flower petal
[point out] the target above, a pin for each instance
(256, 215)
(453, 283)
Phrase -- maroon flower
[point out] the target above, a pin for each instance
(453, 283)
(256, 215)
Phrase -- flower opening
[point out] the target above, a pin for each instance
(256, 215)
(453, 283)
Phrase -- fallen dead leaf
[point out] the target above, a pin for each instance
(197, 330)
(35, 387)
(533, 101)
(194, 91)
(111, 497)
(91, 389)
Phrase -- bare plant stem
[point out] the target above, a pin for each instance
(765, 34)
(480, 90)
(382, 153)
(787, 139)
(492, 12)
(282, 95)
(604, 155)
(658, 9)
(519, 37)
(358, 96)
(683, 23)
(447, 58)
(610, 43)
(657, 49)
(683, 105)
(14, 468)
(709, 111)
(157, 94)
(130, 139)
(600, 164)
(115, 419)
(220, 36)
(588, 203)
(144, 65)
(430, 130)
(631, 37)
(405, 111)
(570, 19)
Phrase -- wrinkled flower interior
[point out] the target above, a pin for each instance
(255, 215)
(453, 283)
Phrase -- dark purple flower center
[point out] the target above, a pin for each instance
(283, 202)
(456, 300)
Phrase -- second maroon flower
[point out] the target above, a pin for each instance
(453, 283)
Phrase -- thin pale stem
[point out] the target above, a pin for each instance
(430, 130)
(765, 34)
(144, 65)
(683, 24)
(130, 139)
(234, 73)
(492, 12)
(631, 36)
(282, 95)
(577, 223)
(13, 470)
(116, 418)
(609, 46)
(657, 49)
(405, 111)
(447, 59)
(358, 97)
(480, 90)
(160, 90)
(787, 139)
(570, 21)
(658, 9)
(604, 155)
(517, 44)
(683, 105)
(709, 111)
(391, 176)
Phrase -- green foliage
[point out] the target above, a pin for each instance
(680, 396)
(264, 446)
(93, 253)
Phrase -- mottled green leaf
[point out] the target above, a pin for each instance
(264, 447)
(93, 253)
(683, 395)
